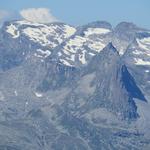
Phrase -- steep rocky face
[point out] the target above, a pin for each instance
(106, 83)
(58, 76)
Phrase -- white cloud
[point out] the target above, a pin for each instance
(40, 15)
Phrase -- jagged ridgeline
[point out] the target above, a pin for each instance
(74, 88)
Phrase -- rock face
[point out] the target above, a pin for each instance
(113, 80)
(106, 83)
(63, 87)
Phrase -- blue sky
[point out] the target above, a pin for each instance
(79, 12)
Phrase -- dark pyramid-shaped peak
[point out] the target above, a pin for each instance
(115, 87)
(109, 60)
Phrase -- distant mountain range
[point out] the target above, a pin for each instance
(74, 88)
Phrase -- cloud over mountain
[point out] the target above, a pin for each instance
(41, 15)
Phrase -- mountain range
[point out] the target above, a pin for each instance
(74, 88)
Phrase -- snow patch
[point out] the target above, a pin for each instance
(97, 46)
(16, 93)
(11, 29)
(137, 52)
(145, 40)
(69, 31)
(82, 58)
(25, 22)
(92, 54)
(77, 41)
(27, 103)
(45, 53)
(147, 71)
(142, 44)
(48, 35)
(65, 62)
(139, 61)
(38, 94)
(92, 31)
(37, 35)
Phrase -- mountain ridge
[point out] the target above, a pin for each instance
(84, 88)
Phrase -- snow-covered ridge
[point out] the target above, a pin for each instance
(140, 61)
(25, 22)
(75, 46)
(142, 51)
(146, 40)
(144, 43)
(12, 30)
(80, 47)
(44, 34)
